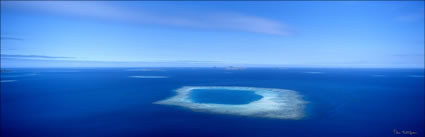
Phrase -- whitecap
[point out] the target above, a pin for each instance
(19, 75)
(275, 103)
(416, 76)
(7, 81)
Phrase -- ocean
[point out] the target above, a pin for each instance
(119, 102)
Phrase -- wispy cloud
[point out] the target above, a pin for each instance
(33, 57)
(11, 38)
(408, 55)
(412, 16)
(194, 61)
(102, 10)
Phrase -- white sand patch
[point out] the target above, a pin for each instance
(276, 103)
(148, 76)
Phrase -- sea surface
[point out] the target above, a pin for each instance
(118, 102)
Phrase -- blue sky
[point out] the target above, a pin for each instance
(216, 33)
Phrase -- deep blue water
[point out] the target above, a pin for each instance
(108, 103)
(223, 96)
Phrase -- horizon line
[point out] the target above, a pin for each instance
(246, 67)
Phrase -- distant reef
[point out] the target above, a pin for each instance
(234, 68)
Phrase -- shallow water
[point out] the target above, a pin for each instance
(223, 96)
